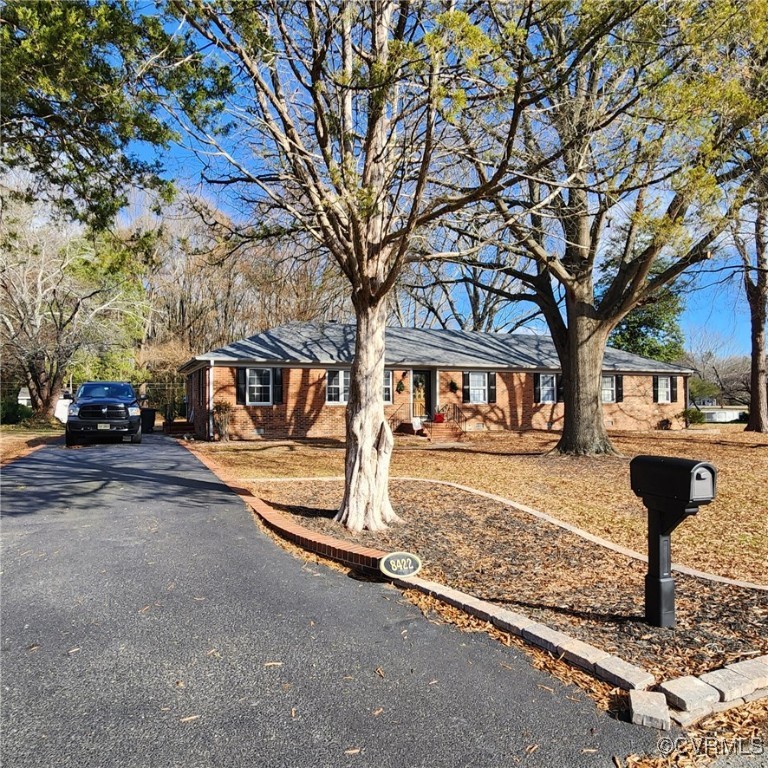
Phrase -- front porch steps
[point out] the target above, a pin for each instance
(178, 428)
(443, 432)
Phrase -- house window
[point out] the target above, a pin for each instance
(612, 389)
(608, 389)
(387, 386)
(478, 387)
(547, 388)
(664, 389)
(259, 386)
(337, 386)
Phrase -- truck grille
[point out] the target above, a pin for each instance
(103, 412)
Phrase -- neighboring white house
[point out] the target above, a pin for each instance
(721, 414)
(705, 401)
(24, 398)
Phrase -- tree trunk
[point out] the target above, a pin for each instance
(758, 404)
(757, 297)
(584, 428)
(44, 389)
(366, 504)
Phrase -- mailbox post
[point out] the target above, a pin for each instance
(672, 489)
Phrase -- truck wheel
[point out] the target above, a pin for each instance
(70, 439)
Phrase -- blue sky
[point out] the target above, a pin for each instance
(717, 316)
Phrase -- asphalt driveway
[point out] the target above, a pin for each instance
(147, 622)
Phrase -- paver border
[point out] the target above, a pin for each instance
(610, 668)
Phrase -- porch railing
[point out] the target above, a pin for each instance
(405, 413)
(453, 412)
(458, 415)
(398, 417)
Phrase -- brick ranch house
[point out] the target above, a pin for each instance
(293, 381)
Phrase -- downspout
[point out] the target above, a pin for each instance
(210, 401)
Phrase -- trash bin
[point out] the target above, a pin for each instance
(148, 419)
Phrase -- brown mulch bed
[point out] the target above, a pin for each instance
(500, 554)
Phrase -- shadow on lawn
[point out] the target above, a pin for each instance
(477, 451)
(299, 511)
(293, 444)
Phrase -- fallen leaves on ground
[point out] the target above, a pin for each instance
(512, 559)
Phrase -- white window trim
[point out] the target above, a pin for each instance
(553, 397)
(388, 374)
(248, 400)
(612, 398)
(347, 373)
(483, 387)
(343, 372)
(664, 397)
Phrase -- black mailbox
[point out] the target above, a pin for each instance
(673, 480)
(671, 489)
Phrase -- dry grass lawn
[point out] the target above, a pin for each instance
(728, 537)
(17, 441)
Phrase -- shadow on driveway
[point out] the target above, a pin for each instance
(68, 479)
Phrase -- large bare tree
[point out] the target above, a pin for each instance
(751, 239)
(335, 119)
(630, 167)
(60, 293)
(346, 116)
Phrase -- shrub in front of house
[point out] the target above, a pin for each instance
(693, 416)
(12, 412)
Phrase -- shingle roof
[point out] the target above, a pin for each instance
(333, 344)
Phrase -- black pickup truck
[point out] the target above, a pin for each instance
(103, 409)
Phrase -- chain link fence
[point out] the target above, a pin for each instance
(167, 398)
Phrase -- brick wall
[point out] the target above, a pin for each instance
(638, 411)
(515, 408)
(305, 413)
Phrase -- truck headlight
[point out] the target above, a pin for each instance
(134, 410)
(73, 410)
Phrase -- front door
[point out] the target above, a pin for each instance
(421, 391)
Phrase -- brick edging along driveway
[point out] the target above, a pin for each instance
(684, 700)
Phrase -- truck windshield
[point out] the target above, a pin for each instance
(122, 391)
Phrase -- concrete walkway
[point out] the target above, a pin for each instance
(147, 622)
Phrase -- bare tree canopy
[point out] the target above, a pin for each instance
(750, 234)
(625, 163)
(60, 293)
(209, 283)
